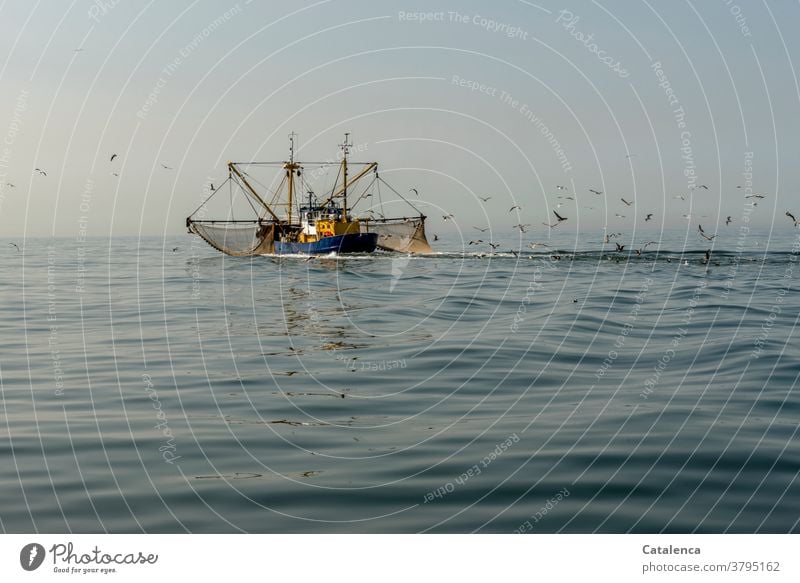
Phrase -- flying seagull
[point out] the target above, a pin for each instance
(619, 247)
(479, 229)
(112, 157)
(791, 216)
(559, 187)
(10, 185)
(415, 191)
(703, 186)
(521, 227)
(648, 217)
(626, 202)
(559, 219)
(435, 237)
(619, 215)
(448, 217)
(40, 171)
(728, 220)
(755, 196)
(166, 167)
(14, 245)
(703, 233)
(476, 242)
(484, 199)
(597, 192)
(516, 206)
(494, 245)
(644, 247)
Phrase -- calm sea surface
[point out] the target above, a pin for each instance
(146, 389)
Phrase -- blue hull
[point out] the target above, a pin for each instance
(354, 243)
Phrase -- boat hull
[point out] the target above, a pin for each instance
(349, 243)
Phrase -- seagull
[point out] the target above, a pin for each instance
(166, 167)
(754, 196)
(689, 216)
(415, 191)
(494, 245)
(484, 199)
(728, 220)
(644, 247)
(648, 217)
(40, 171)
(536, 245)
(514, 253)
(14, 245)
(447, 217)
(597, 192)
(791, 216)
(521, 227)
(559, 219)
(703, 186)
(619, 215)
(626, 202)
(631, 155)
(680, 196)
(559, 187)
(515, 207)
(703, 233)
(476, 242)
(211, 186)
(435, 237)
(619, 247)
(10, 185)
(112, 157)
(479, 229)
(114, 174)
(707, 260)
(174, 249)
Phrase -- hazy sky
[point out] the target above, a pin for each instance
(457, 99)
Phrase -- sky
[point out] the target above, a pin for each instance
(645, 101)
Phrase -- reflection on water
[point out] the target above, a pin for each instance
(451, 392)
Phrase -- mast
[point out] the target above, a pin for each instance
(290, 167)
(345, 150)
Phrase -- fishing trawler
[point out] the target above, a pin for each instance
(310, 225)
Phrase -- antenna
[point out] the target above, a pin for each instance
(291, 146)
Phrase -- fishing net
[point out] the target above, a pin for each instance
(405, 235)
(238, 238)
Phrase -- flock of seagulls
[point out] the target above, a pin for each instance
(43, 172)
(560, 218)
(113, 157)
